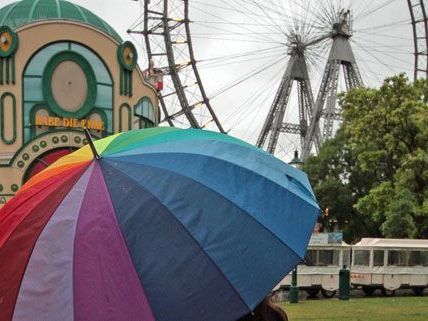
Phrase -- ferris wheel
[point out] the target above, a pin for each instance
(272, 70)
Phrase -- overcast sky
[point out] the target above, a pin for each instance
(382, 45)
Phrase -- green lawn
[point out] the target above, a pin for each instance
(360, 309)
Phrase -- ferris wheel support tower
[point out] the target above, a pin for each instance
(296, 72)
(325, 107)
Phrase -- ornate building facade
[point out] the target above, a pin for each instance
(62, 68)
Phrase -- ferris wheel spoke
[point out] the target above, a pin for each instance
(228, 8)
(384, 53)
(379, 61)
(230, 23)
(361, 6)
(243, 27)
(243, 61)
(305, 17)
(380, 29)
(245, 107)
(267, 12)
(247, 76)
(369, 73)
(256, 113)
(367, 33)
(397, 50)
(305, 8)
(243, 54)
(237, 40)
(370, 11)
(238, 37)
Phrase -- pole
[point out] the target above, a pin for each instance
(91, 143)
(293, 295)
(294, 290)
(344, 283)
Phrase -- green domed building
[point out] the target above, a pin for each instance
(26, 12)
(62, 68)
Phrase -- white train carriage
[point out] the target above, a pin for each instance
(390, 264)
(320, 269)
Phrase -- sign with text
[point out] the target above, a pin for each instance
(69, 122)
(326, 238)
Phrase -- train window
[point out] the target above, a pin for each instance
(362, 257)
(425, 258)
(418, 258)
(397, 258)
(378, 258)
(311, 258)
(328, 257)
(346, 257)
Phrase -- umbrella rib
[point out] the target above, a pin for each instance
(227, 140)
(214, 191)
(142, 188)
(83, 172)
(74, 176)
(91, 143)
(31, 197)
(292, 179)
(295, 180)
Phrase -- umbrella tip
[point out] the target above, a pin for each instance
(91, 143)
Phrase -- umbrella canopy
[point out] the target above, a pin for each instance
(167, 225)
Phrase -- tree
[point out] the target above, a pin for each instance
(338, 184)
(374, 173)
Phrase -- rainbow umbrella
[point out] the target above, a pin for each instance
(163, 224)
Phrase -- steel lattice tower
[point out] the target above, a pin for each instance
(296, 71)
(341, 55)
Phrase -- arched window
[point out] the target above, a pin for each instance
(125, 117)
(81, 67)
(145, 113)
(7, 118)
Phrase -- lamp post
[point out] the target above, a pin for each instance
(296, 162)
(293, 296)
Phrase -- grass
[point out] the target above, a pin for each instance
(360, 309)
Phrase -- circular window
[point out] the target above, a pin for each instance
(69, 85)
(69, 77)
(8, 42)
(127, 55)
